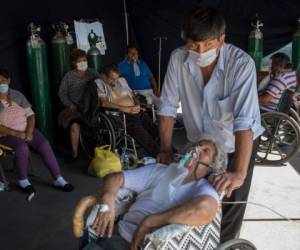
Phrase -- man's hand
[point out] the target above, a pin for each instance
(156, 92)
(165, 157)
(227, 182)
(104, 222)
(139, 235)
(132, 109)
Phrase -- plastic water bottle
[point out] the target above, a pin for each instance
(125, 159)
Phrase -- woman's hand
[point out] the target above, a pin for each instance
(28, 136)
(140, 233)
(104, 222)
(20, 135)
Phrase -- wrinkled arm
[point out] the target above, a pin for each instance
(199, 211)
(110, 187)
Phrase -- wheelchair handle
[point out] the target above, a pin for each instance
(78, 217)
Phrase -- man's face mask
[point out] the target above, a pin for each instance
(203, 59)
(3, 88)
(82, 66)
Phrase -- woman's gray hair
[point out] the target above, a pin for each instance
(219, 164)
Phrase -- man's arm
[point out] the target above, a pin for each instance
(154, 85)
(107, 104)
(199, 211)
(166, 124)
(104, 221)
(229, 181)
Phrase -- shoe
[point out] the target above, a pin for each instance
(66, 188)
(28, 189)
(70, 159)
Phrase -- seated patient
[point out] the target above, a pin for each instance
(283, 77)
(115, 93)
(70, 93)
(178, 193)
(139, 76)
(17, 121)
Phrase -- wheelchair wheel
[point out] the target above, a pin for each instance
(102, 133)
(237, 244)
(293, 113)
(280, 140)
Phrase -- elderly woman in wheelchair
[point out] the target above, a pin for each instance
(114, 93)
(178, 194)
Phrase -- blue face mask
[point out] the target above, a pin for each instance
(3, 88)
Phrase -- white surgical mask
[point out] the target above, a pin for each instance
(203, 59)
(82, 65)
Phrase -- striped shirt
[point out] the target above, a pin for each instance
(72, 87)
(227, 103)
(276, 87)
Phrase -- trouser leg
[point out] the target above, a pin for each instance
(233, 213)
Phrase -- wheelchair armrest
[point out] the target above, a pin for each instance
(78, 217)
(4, 147)
(123, 201)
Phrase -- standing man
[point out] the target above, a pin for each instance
(216, 85)
(139, 76)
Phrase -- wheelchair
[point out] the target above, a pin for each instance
(170, 237)
(280, 141)
(110, 129)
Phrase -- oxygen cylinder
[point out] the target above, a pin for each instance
(39, 80)
(60, 54)
(255, 42)
(296, 47)
(94, 55)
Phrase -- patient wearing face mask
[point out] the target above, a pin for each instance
(70, 93)
(174, 194)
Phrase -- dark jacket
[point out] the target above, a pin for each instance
(89, 104)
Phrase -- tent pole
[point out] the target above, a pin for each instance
(126, 22)
(159, 38)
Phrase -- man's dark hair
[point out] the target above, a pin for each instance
(108, 68)
(282, 60)
(202, 23)
(131, 46)
(4, 72)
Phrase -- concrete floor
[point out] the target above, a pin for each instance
(277, 188)
(45, 223)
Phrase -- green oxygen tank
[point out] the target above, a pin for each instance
(255, 42)
(296, 47)
(94, 55)
(60, 47)
(39, 80)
